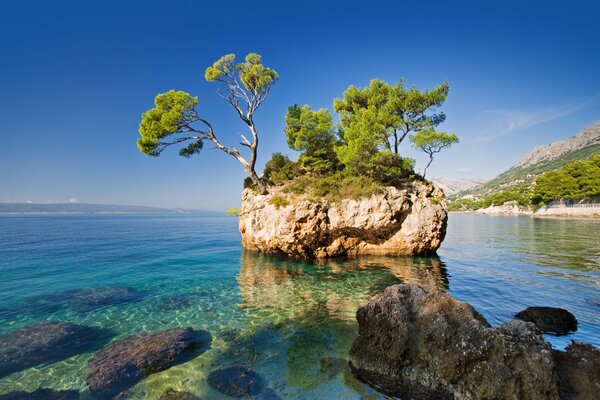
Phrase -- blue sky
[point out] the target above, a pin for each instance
(76, 76)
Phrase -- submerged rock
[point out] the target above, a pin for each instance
(395, 222)
(579, 371)
(172, 394)
(236, 382)
(125, 362)
(42, 394)
(94, 298)
(548, 319)
(426, 345)
(47, 342)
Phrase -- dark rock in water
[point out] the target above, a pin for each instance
(47, 342)
(172, 394)
(125, 362)
(236, 382)
(95, 298)
(578, 371)
(426, 345)
(42, 394)
(550, 320)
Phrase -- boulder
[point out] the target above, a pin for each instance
(394, 222)
(426, 345)
(42, 394)
(125, 362)
(550, 320)
(579, 371)
(236, 382)
(47, 342)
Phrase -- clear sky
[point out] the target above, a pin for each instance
(76, 76)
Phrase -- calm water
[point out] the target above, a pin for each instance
(292, 322)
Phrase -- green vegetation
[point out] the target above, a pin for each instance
(357, 157)
(174, 119)
(578, 180)
(360, 155)
(278, 201)
(432, 142)
(527, 175)
(233, 211)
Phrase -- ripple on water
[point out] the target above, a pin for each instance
(289, 321)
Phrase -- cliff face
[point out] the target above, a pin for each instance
(395, 222)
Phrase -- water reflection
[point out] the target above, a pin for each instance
(281, 288)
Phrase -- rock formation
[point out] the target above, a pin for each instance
(47, 342)
(578, 370)
(426, 345)
(125, 362)
(549, 319)
(395, 222)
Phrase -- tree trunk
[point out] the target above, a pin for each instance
(427, 166)
(260, 185)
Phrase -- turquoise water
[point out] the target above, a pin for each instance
(290, 321)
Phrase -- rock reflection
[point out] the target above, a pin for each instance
(281, 288)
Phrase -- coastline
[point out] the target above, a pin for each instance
(545, 214)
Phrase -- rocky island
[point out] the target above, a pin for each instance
(394, 222)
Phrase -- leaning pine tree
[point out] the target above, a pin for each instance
(174, 119)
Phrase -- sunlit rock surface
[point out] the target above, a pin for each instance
(395, 222)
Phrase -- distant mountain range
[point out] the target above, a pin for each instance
(539, 160)
(451, 186)
(70, 208)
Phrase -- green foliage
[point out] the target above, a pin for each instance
(278, 201)
(360, 141)
(233, 211)
(313, 133)
(334, 187)
(174, 111)
(578, 180)
(398, 109)
(279, 169)
(431, 142)
(255, 77)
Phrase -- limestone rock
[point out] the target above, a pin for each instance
(579, 371)
(395, 222)
(426, 345)
(47, 342)
(125, 362)
(549, 319)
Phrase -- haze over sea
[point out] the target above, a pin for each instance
(291, 321)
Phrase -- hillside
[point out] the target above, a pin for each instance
(543, 158)
(452, 186)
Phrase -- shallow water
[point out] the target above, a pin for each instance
(290, 321)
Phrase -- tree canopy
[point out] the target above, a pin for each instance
(175, 120)
(398, 109)
(432, 142)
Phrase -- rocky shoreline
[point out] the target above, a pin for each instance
(427, 345)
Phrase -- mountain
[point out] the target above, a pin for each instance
(451, 186)
(539, 160)
(67, 208)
